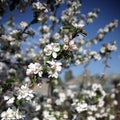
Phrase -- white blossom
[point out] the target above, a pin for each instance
(91, 118)
(34, 68)
(39, 6)
(23, 24)
(55, 68)
(25, 93)
(52, 49)
(11, 114)
(80, 106)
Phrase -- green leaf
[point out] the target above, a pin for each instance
(10, 80)
(34, 79)
(48, 58)
(17, 102)
(84, 32)
(95, 99)
(67, 27)
(69, 60)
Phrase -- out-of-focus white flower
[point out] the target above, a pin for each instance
(27, 80)
(48, 106)
(45, 113)
(115, 102)
(10, 100)
(14, 32)
(95, 55)
(46, 28)
(101, 103)
(65, 47)
(91, 118)
(106, 30)
(10, 38)
(102, 50)
(57, 113)
(35, 118)
(77, 62)
(100, 36)
(70, 93)
(34, 68)
(56, 36)
(37, 6)
(80, 24)
(58, 102)
(92, 108)
(65, 115)
(62, 97)
(96, 87)
(36, 105)
(55, 90)
(58, 2)
(2, 66)
(23, 24)
(49, 100)
(72, 45)
(111, 117)
(111, 47)
(112, 95)
(11, 114)
(52, 18)
(89, 20)
(25, 93)
(66, 39)
(52, 49)
(80, 106)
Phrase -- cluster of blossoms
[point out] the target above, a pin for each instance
(58, 49)
(79, 106)
(72, 11)
(11, 114)
(25, 93)
(70, 45)
(91, 102)
(14, 101)
(37, 6)
(103, 31)
(34, 68)
(50, 114)
(95, 55)
(108, 48)
(53, 68)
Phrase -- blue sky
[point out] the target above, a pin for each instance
(109, 10)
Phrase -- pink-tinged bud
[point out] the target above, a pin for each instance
(74, 47)
(29, 72)
(65, 47)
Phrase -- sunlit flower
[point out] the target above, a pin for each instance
(55, 68)
(34, 68)
(52, 49)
